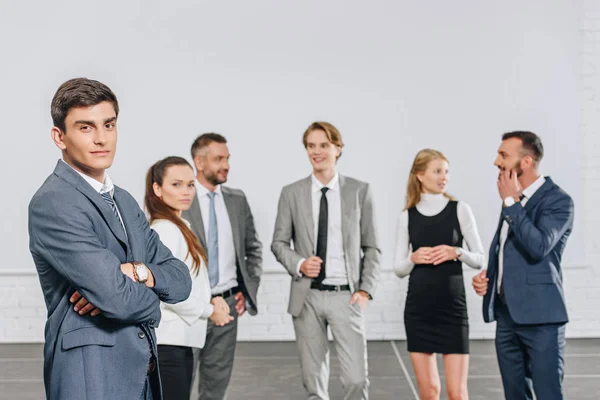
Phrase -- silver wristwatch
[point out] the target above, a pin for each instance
(140, 271)
(459, 252)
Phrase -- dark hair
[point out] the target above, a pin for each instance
(79, 92)
(333, 135)
(532, 143)
(204, 140)
(159, 210)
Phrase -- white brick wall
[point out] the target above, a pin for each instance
(22, 310)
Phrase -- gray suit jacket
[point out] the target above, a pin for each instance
(77, 243)
(248, 248)
(295, 224)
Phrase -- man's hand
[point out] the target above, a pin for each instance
(508, 185)
(82, 306)
(220, 317)
(442, 253)
(240, 306)
(127, 269)
(220, 303)
(311, 266)
(480, 283)
(361, 297)
(422, 256)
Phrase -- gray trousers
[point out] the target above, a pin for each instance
(215, 360)
(346, 321)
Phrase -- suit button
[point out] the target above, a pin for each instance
(141, 335)
(152, 323)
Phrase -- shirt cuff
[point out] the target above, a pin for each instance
(208, 311)
(298, 273)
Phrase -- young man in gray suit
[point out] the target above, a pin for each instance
(334, 264)
(92, 246)
(222, 220)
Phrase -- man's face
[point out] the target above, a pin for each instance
(214, 164)
(510, 155)
(321, 152)
(90, 140)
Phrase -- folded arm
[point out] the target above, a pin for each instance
(63, 235)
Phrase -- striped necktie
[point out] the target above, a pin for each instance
(111, 202)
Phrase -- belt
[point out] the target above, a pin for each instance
(151, 365)
(227, 293)
(329, 288)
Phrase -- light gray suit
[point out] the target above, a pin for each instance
(77, 243)
(217, 355)
(313, 310)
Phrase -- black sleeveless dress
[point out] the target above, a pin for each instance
(435, 315)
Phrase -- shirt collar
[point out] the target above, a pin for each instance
(531, 189)
(333, 184)
(201, 190)
(106, 187)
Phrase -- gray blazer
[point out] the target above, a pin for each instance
(295, 224)
(248, 248)
(77, 243)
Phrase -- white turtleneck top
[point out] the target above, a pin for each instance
(430, 205)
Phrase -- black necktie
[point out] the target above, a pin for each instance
(322, 234)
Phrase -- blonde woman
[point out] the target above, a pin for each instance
(170, 190)
(429, 248)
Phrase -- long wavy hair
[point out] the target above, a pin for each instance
(158, 209)
(415, 187)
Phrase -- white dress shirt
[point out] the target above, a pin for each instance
(430, 205)
(227, 263)
(335, 263)
(184, 323)
(106, 187)
(527, 193)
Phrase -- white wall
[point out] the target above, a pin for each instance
(394, 77)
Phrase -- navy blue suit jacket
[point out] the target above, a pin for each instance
(532, 274)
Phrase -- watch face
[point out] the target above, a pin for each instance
(141, 271)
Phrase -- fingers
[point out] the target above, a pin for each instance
(86, 309)
(95, 312)
(480, 283)
(312, 267)
(80, 304)
(75, 297)
(439, 254)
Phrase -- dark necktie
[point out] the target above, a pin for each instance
(322, 234)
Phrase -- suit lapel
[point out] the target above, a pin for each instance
(196, 220)
(67, 173)
(130, 224)
(534, 200)
(233, 220)
(307, 210)
(537, 196)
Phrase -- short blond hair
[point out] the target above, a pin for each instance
(333, 135)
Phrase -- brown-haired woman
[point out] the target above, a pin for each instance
(429, 243)
(170, 190)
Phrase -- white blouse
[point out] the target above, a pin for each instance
(430, 205)
(184, 323)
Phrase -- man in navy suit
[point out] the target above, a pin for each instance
(522, 286)
(102, 269)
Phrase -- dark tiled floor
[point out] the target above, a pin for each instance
(269, 371)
